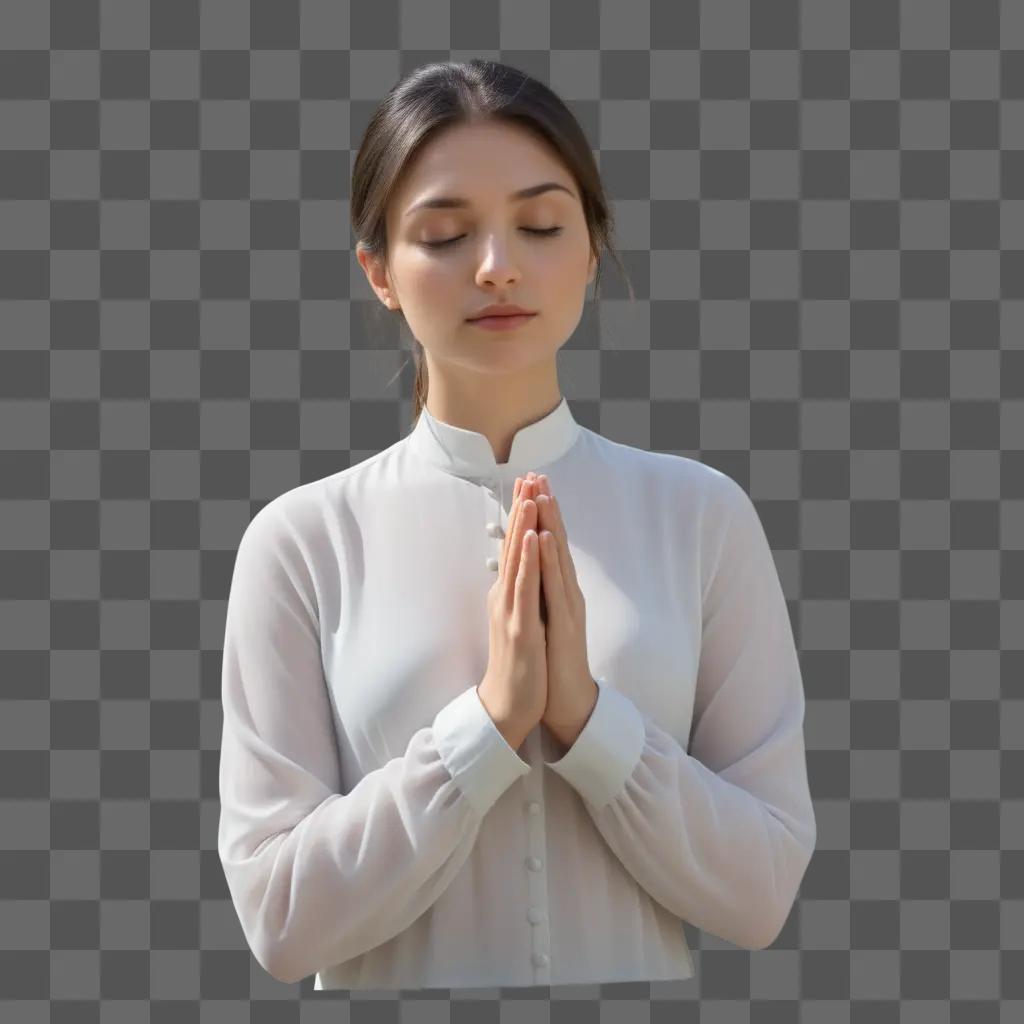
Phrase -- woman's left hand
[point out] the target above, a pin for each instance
(572, 690)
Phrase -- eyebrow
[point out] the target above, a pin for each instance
(456, 202)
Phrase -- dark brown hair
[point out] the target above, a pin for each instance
(437, 95)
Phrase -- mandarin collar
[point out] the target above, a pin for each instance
(467, 453)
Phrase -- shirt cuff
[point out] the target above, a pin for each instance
(607, 750)
(477, 756)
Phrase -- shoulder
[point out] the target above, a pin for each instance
(304, 513)
(702, 487)
(703, 507)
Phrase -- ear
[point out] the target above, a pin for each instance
(377, 277)
(591, 272)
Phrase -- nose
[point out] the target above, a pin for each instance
(498, 262)
(497, 269)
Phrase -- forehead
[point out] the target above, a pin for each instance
(481, 164)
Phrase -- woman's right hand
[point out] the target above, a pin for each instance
(514, 689)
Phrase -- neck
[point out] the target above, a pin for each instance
(498, 412)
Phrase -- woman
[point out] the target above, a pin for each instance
(387, 820)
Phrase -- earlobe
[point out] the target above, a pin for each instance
(373, 275)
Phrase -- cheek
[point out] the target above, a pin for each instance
(427, 275)
(568, 256)
(561, 273)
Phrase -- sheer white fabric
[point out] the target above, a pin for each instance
(377, 830)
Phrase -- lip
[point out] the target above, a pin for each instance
(502, 323)
(502, 309)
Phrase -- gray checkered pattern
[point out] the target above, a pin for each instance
(821, 208)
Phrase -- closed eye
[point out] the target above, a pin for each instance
(545, 232)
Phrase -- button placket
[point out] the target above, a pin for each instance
(494, 528)
(536, 869)
(535, 866)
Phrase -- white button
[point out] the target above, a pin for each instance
(534, 863)
(494, 529)
(540, 959)
(536, 915)
(533, 807)
(492, 563)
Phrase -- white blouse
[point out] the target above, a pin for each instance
(375, 826)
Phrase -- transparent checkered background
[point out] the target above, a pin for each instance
(821, 209)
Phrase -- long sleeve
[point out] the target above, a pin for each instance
(722, 834)
(318, 875)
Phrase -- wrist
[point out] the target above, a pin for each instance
(515, 730)
(568, 725)
(564, 733)
(512, 728)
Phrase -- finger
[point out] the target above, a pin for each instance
(513, 508)
(515, 512)
(546, 524)
(544, 516)
(551, 519)
(543, 487)
(554, 585)
(526, 589)
(506, 545)
(562, 542)
(525, 518)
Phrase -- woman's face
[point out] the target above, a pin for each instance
(494, 256)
